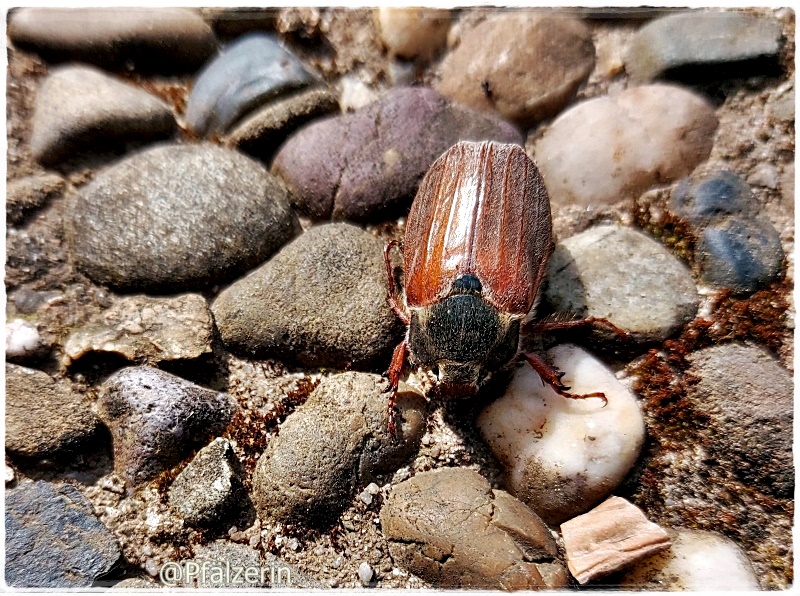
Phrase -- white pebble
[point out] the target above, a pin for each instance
(22, 338)
(355, 93)
(373, 488)
(365, 573)
(697, 561)
(563, 456)
(365, 497)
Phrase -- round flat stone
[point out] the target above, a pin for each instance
(164, 40)
(79, 107)
(178, 217)
(624, 276)
(523, 65)
(615, 147)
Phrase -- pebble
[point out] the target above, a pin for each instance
(413, 32)
(334, 443)
(156, 419)
(746, 397)
(44, 418)
(712, 198)
(146, 330)
(366, 165)
(765, 176)
(53, 539)
(321, 301)
(523, 65)
(209, 487)
(163, 40)
(23, 341)
(696, 562)
(741, 254)
(79, 107)
(261, 133)
(178, 217)
(449, 527)
(563, 456)
(615, 147)
(25, 195)
(250, 72)
(624, 276)
(703, 40)
(365, 573)
(610, 537)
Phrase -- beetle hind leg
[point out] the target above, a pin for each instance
(393, 374)
(552, 377)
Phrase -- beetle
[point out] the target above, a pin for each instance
(477, 242)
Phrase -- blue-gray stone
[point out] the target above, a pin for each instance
(53, 539)
(741, 254)
(721, 194)
(247, 74)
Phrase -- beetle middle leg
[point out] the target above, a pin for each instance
(393, 298)
(554, 325)
(393, 374)
(552, 377)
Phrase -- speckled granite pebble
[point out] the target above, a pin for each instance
(80, 107)
(624, 276)
(615, 147)
(178, 217)
(525, 66)
(164, 40)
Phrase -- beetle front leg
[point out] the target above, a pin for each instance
(552, 377)
(393, 374)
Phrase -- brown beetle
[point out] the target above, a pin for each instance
(477, 242)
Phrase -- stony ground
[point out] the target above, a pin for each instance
(677, 482)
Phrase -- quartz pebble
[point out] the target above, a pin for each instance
(178, 217)
(562, 456)
(615, 147)
(248, 73)
(707, 40)
(208, 488)
(696, 562)
(523, 65)
(367, 164)
(337, 440)
(413, 32)
(745, 396)
(146, 329)
(156, 419)
(365, 573)
(23, 341)
(79, 107)
(53, 539)
(44, 418)
(320, 301)
(624, 276)
(25, 195)
(613, 535)
(449, 527)
(164, 40)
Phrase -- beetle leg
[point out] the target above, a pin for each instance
(552, 377)
(544, 326)
(393, 374)
(392, 298)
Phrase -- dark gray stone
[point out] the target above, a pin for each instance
(43, 418)
(207, 489)
(449, 527)
(747, 399)
(741, 254)
(712, 198)
(709, 39)
(368, 164)
(321, 301)
(164, 40)
(334, 443)
(178, 217)
(249, 72)
(30, 193)
(79, 108)
(157, 419)
(53, 539)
